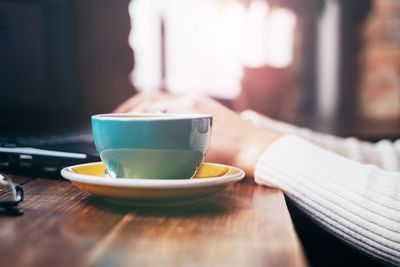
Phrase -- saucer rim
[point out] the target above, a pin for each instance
(234, 175)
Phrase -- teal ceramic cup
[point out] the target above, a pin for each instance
(152, 146)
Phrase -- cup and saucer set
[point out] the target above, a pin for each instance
(152, 160)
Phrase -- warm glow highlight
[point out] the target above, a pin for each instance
(207, 43)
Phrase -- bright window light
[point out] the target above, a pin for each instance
(207, 43)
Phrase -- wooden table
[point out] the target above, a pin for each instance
(246, 225)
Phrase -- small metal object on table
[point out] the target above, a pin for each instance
(10, 201)
(246, 225)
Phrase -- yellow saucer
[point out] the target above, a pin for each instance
(210, 179)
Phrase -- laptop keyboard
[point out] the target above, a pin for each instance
(45, 141)
(78, 141)
(24, 162)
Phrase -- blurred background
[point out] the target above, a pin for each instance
(331, 65)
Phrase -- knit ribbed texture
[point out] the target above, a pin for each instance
(384, 154)
(357, 202)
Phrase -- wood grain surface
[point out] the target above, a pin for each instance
(246, 225)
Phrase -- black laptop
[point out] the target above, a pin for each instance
(56, 71)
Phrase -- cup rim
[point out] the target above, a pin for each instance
(139, 116)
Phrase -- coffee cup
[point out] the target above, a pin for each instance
(152, 146)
